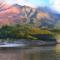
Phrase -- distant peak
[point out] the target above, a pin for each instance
(17, 5)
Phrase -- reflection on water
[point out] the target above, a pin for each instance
(58, 52)
(42, 53)
(31, 53)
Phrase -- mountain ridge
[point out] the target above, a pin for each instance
(16, 14)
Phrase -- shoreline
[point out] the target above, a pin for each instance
(24, 43)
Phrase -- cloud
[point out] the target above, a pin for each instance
(55, 5)
(20, 2)
(25, 2)
(10, 1)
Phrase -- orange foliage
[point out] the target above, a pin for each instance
(39, 31)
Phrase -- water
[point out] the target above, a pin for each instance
(58, 52)
(42, 53)
(31, 53)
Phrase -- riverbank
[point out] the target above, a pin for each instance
(24, 42)
(40, 43)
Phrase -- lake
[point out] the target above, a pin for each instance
(31, 53)
(42, 53)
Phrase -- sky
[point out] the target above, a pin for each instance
(32, 2)
(54, 4)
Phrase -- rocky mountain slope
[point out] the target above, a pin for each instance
(17, 14)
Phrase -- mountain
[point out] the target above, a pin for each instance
(10, 14)
(14, 14)
(17, 14)
(47, 17)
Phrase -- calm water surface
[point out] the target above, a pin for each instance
(42, 53)
(31, 53)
